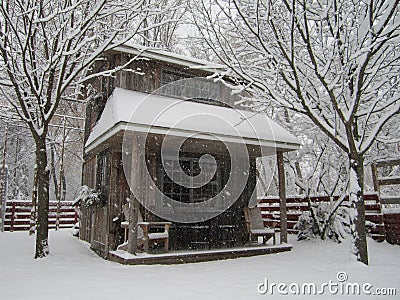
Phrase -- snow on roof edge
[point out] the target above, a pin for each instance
(122, 103)
(170, 57)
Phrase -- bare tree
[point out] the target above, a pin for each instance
(336, 62)
(47, 48)
(164, 36)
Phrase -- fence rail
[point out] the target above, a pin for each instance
(385, 180)
(392, 227)
(18, 213)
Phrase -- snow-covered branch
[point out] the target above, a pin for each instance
(336, 62)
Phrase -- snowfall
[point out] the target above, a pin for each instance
(73, 271)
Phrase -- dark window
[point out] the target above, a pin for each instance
(190, 165)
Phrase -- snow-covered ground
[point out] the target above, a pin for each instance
(72, 271)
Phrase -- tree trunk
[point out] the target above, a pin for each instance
(282, 197)
(43, 179)
(357, 208)
(53, 170)
(32, 225)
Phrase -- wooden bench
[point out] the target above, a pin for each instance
(151, 238)
(145, 236)
(255, 225)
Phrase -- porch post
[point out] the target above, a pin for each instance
(282, 197)
(133, 209)
(133, 220)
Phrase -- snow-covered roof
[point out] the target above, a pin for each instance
(148, 113)
(170, 57)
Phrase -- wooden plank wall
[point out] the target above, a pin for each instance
(297, 205)
(119, 191)
(147, 83)
(99, 224)
(98, 233)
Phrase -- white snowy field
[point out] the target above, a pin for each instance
(72, 271)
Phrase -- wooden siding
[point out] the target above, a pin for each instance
(94, 220)
(99, 230)
(89, 179)
(147, 79)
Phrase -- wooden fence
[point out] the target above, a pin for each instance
(392, 227)
(297, 205)
(380, 181)
(18, 213)
(391, 217)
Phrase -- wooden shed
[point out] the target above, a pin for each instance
(171, 143)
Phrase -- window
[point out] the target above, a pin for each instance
(103, 172)
(197, 88)
(190, 165)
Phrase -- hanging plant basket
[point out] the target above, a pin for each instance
(89, 197)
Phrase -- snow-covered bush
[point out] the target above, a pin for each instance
(306, 226)
(324, 220)
(88, 197)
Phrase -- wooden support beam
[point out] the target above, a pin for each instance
(374, 171)
(282, 197)
(133, 220)
(133, 207)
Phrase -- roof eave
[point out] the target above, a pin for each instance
(140, 128)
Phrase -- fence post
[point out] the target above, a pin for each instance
(12, 217)
(76, 215)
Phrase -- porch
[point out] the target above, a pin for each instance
(185, 256)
